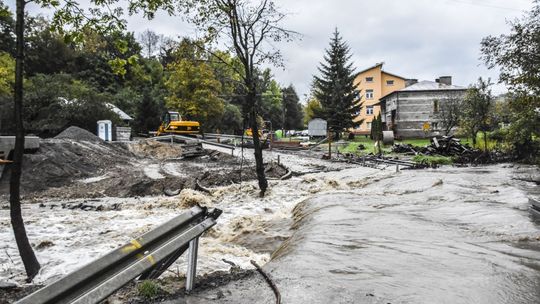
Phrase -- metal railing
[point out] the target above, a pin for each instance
(146, 257)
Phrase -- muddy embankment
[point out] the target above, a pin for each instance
(77, 164)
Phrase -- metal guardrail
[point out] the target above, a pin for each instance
(147, 256)
(187, 139)
(214, 135)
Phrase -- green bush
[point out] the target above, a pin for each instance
(433, 160)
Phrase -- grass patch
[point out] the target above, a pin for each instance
(148, 289)
(433, 160)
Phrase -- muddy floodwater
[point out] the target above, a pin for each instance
(335, 233)
(450, 235)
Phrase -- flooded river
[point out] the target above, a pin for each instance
(451, 235)
(355, 235)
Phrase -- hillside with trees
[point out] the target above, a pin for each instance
(69, 83)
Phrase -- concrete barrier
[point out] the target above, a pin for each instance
(7, 144)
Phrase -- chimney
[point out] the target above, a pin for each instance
(410, 82)
(447, 80)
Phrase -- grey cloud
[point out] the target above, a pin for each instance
(416, 38)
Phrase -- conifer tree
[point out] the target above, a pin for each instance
(335, 88)
(294, 115)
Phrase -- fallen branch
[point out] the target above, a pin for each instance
(269, 281)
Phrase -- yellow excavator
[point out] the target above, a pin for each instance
(172, 123)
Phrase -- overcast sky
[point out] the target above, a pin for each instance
(420, 39)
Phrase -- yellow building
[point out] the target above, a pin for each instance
(373, 84)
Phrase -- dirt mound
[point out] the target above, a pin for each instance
(155, 149)
(76, 133)
(61, 161)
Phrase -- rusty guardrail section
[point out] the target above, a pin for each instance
(147, 256)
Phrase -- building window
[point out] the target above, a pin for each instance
(368, 125)
(369, 110)
(435, 106)
(369, 79)
(369, 94)
(389, 82)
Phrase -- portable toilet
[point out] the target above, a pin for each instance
(105, 130)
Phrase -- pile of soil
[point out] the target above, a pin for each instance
(76, 133)
(155, 149)
(61, 161)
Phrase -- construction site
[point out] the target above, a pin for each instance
(84, 198)
(269, 151)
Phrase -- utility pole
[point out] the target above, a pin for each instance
(283, 114)
(329, 132)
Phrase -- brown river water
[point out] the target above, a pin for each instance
(450, 235)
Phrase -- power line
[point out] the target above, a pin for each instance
(485, 5)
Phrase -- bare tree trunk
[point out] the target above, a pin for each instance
(28, 257)
(263, 183)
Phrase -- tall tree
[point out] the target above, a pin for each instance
(516, 56)
(149, 40)
(148, 114)
(293, 116)
(231, 121)
(7, 30)
(193, 88)
(271, 106)
(478, 110)
(68, 13)
(46, 51)
(335, 88)
(450, 112)
(312, 110)
(28, 256)
(7, 69)
(248, 30)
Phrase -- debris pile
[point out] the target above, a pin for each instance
(452, 147)
(442, 145)
(193, 150)
(155, 149)
(447, 146)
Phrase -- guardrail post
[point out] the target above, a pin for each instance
(192, 263)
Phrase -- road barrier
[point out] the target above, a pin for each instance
(146, 257)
